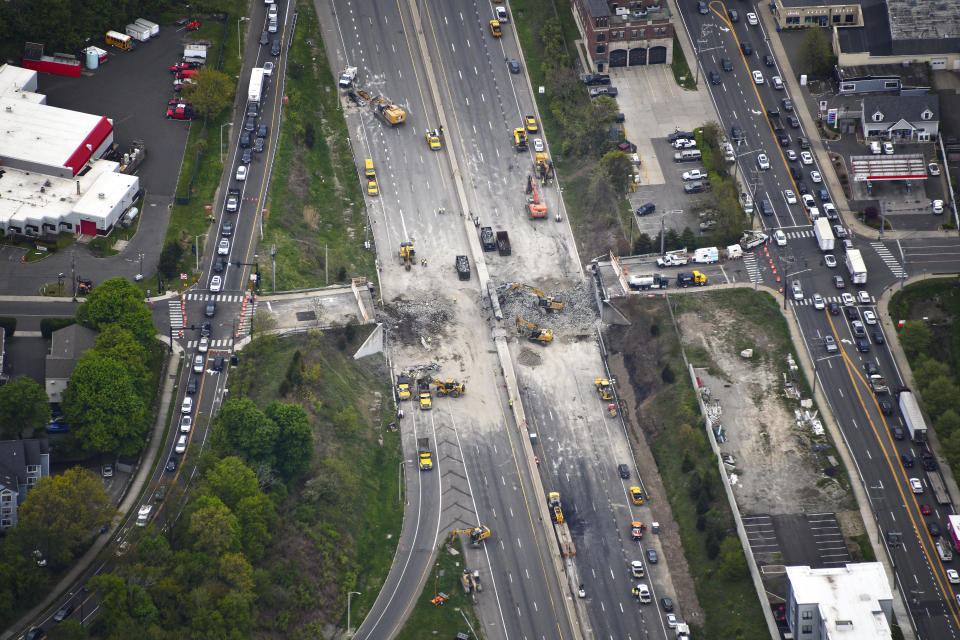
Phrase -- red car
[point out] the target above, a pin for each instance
(181, 112)
(925, 509)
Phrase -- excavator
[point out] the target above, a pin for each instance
(536, 208)
(477, 535)
(543, 166)
(546, 302)
(536, 334)
(449, 387)
(407, 253)
(604, 388)
(390, 114)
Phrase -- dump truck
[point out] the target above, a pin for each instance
(912, 416)
(564, 540)
(503, 243)
(642, 283)
(403, 386)
(825, 239)
(462, 264)
(535, 207)
(347, 77)
(423, 394)
(520, 139)
(487, 240)
(604, 388)
(390, 114)
(449, 387)
(878, 384)
(753, 239)
(426, 456)
(407, 252)
(533, 332)
(694, 278)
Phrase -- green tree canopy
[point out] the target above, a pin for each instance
(117, 301)
(118, 343)
(23, 405)
(213, 92)
(929, 369)
(914, 338)
(938, 396)
(947, 424)
(816, 53)
(231, 481)
(213, 527)
(294, 439)
(619, 169)
(258, 517)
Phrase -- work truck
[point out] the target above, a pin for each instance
(564, 540)
(878, 384)
(753, 239)
(347, 77)
(487, 240)
(676, 258)
(691, 278)
(856, 266)
(426, 456)
(642, 283)
(503, 243)
(825, 239)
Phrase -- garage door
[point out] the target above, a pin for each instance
(658, 55)
(88, 228)
(618, 58)
(638, 56)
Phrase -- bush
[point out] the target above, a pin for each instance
(9, 325)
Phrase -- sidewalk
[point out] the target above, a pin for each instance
(131, 497)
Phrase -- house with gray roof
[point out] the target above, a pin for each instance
(66, 347)
(22, 464)
(901, 118)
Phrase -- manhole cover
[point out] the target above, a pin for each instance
(306, 316)
(529, 358)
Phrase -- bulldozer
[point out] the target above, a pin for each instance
(604, 388)
(535, 334)
(407, 252)
(449, 387)
(549, 303)
(535, 207)
(477, 535)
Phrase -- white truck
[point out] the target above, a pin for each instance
(195, 53)
(152, 27)
(825, 239)
(753, 239)
(137, 32)
(347, 77)
(912, 416)
(676, 258)
(856, 267)
(706, 255)
(256, 85)
(143, 515)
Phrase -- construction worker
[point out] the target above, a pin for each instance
(442, 211)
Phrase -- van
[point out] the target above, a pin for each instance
(688, 155)
(368, 168)
(814, 213)
(181, 445)
(502, 14)
(119, 40)
(143, 515)
(875, 147)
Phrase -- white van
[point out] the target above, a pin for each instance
(875, 147)
(502, 14)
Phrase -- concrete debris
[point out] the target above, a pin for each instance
(579, 315)
(746, 353)
(414, 320)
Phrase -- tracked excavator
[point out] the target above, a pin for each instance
(407, 252)
(549, 303)
(535, 207)
(533, 332)
(477, 535)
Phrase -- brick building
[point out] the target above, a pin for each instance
(625, 34)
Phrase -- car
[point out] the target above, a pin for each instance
(933, 169)
(839, 231)
(187, 405)
(268, 68)
(953, 577)
(247, 156)
(818, 302)
(937, 207)
(871, 368)
(757, 77)
(897, 433)
(636, 569)
(106, 471)
(797, 290)
(244, 139)
(218, 363)
(223, 247)
(793, 121)
(372, 188)
(780, 237)
(63, 612)
(830, 261)
(858, 329)
(830, 211)
(752, 19)
(624, 471)
(928, 461)
(830, 344)
(258, 145)
(714, 77)
(777, 83)
(37, 633)
(916, 486)
(219, 264)
(667, 604)
(652, 557)
(227, 229)
(823, 195)
(683, 143)
(734, 16)
(210, 310)
(702, 8)
(763, 162)
(888, 148)
(787, 104)
(766, 207)
(206, 329)
(265, 38)
(783, 140)
(851, 313)
(671, 621)
(198, 363)
(263, 131)
(171, 465)
(186, 423)
(694, 174)
(273, 26)
(838, 282)
(250, 124)
(192, 385)
(203, 345)
(847, 299)
(726, 65)
(272, 11)
(636, 495)
(796, 175)
(815, 177)
(646, 209)
(241, 173)
(275, 48)
(806, 158)
(181, 445)
(906, 460)
(253, 109)
(791, 155)
(768, 60)
(513, 66)
(594, 79)
(877, 336)
(808, 200)
(833, 308)
(531, 123)
(934, 529)
(747, 48)
(57, 427)
(869, 317)
(736, 133)
(886, 407)
(790, 196)
(802, 188)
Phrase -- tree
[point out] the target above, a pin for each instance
(947, 424)
(927, 370)
(117, 301)
(940, 395)
(247, 429)
(816, 53)
(213, 528)
(170, 259)
(231, 481)
(951, 449)
(236, 572)
(711, 134)
(61, 512)
(618, 169)
(914, 338)
(103, 405)
(294, 440)
(118, 343)
(212, 93)
(258, 517)
(23, 405)
(732, 564)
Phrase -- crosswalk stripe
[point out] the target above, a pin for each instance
(888, 259)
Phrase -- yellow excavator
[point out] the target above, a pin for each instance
(546, 302)
(449, 387)
(407, 252)
(604, 388)
(535, 333)
(477, 535)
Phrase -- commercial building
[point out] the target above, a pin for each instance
(853, 602)
(911, 79)
(625, 34)
(797, 14)
(22, 464)
(902, 118)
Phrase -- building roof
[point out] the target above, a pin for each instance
(15, 456)
(70, 342)
(99, 201)
(907, 108)
(904, 28)
(848, 598)
(932, 20)
(910, 76)
(874, 36)
(815, 3)
(598, 8)
(17, 80)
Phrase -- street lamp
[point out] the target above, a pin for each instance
(225, 124)
(348, 610)
(140, 271)
(273, 260)
(60, 284)
(196, 247)
(239, 34)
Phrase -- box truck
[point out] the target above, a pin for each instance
(825, 239)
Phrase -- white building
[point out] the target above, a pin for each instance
(853, 602)
(51, 179)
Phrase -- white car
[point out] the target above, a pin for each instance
(806, 158)
(181, 445)
(683, 143)
(187, 406)
(790, 196)
(933, 169)
(636, 568)
(864, 297)
(672, 618)
(223, 248)
(272, 27)
(869, 317)
(537, 144)
(829, 210)
(268, 68)
(808, 201)
(797, 291)
(791, 155)
(763, 162)
(953, 576)
(204, 345)
(780, 237)
(888, 148)
(829, 260)
(186, 422)
(694, 174)
(818, 302)
(758, 77)
(937, 207)
(916, 486)
(815, 177)
(752, 21)
(198, 364)
(847, 299)
(216, 283)
(241, 173)
(777, 83)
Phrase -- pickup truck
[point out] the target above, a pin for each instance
(233, 200)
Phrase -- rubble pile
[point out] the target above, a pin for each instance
(579, 314)
(412, 320)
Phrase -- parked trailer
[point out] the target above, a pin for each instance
(60, 64)
(939, 490)
(912, 416)
(137, 32)
(152, 27)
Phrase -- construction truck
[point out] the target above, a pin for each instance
(407, 252)
(695, 278)
(636, 530)
(462, 264)
(495, 29)
(549, 303)
(536, 208)
(390, 114)
(403, 386)
(752, 240)
(426, 456)
(487, 240)
(449, 387)
(423, 393)
(477, 534)
(604, 388)
(520, 139)
(543, 167)
(878, 385)
(347, 77)
(470, 581)
(560, 525)
(642, 283)
(433, 140)
(535, 333)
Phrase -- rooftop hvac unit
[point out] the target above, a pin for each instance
(101, 195)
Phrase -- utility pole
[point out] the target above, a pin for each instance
(351, 593)
(73, 272)
(273, 261)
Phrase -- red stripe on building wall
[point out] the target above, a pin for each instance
(908, 176)
(90, 144)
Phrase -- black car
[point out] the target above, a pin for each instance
(667, 604)
(247, 156)
(886, 407)
(863, 345)
(907, 460)
(160, 493)
(652, 557)
(64, 612)
(677, 135)
(646, 209)
(191, 386)
(595, 79)
(929, 464)
(253, 109)
(226, 231)
(795, 173)
(898, 435)
(714, 77)
(275, 48)
(624, 471)
(258, 145)
(934, 529)
(734, 16)
(768, 60)
(218, 363)
(206, 329)
(211, 309)
(801, 185)
(725, 64)
(787, 104)
(746, 48)
(784, 140)
(171, 465)
(736, 133)
(244, 139)
(514, 66)
(263, 131)
(852, 315)
(823, 195)
(871, 369)
(794, 122)
(265, 37)
(37, 633)
(877, 336)
(219, 265)
(766, 207)
(834, 308)
(250, 124)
